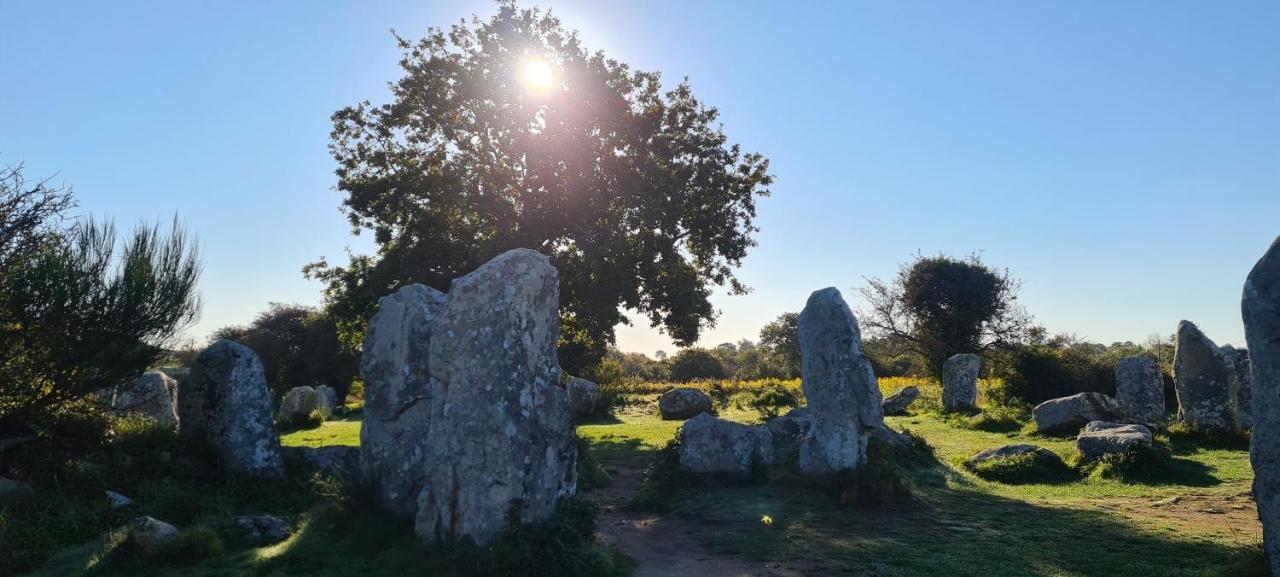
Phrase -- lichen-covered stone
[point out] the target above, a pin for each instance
(683, 403)
(151, 394)
(262, 529)
(225, 401)
(1260, 308)
(1140, 388)
(584, 396)
(327, 402)
(1203, 381)
(1099, 439)
(897, 403)
(1240, 384)
(148, 534)
(843, 397)
(713, 445)
(297, 405)
(502, 430)
(1067, 415)
(960, 383)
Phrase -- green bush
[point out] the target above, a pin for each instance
(691, 364)
(662, 478)
(993, 418)
(1140, 463)
(1021, 469)
(768, 400)
(882, 480)
(591, 474)
(1181, 432)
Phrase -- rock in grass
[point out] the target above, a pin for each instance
(118, 501)
(1007, 451)
(683, 403)
(960, 383)
(263, 529)
(1140, 387)
(147, 534)
(297, 405)
(843, 398)
(1260, 308)
(898, 402)
(503, 432)
(1067, 415)
(786, 434)
(1203, 380)
(327, 402)
(584, 396)
(400, 396)
(713, 445)
(1099, 439)
(151, 394)
(225, 402)
(1240, 384)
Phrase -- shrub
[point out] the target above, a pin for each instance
(691, 364)
(1181, 432)
(1022, 469)
(882, 480)
(768, 400)
(591, 474)
(992, 419)
(562, 545)
(662, 478)
(1140, 463)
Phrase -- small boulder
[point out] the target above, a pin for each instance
(327, 400)
(1100, 438)
(151, 394)
(584, 396)
(147, 534)
(1067, 415)
(683, 403)
(960, 383)
(1140, 388)
(787, 433)
(297, 405)
(118, 501)
(897, 403)
(713, 445)
(263, 529)
(11, 490)
(1007, 451)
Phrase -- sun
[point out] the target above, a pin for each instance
(537, 74)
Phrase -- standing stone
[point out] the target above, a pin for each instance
(151, 394)
(501, 431)
(226, 402)
(584, 396)
(1203, 381)
(1140, 388)
(1241, 384)
(297, 405)
(1261, 311)
(843, 397)
(399, 395)
(328, 400)
(960, 383)
(683, 403)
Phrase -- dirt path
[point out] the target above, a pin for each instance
(665, 546)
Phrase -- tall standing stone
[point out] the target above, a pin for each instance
(502, 430)
(1206, 401)
(1140, 388)
(960, 383)
(843, 396)
(398, 395)
(225, 401)
(1240, 384)
(1261, 311)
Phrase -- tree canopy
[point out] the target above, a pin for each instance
(633, 191)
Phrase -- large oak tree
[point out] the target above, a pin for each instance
(507, 133)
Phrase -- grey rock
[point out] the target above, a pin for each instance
(895, 440)
(327, 402)
(1101, 438)
(713, 445)
(843, 398)
(1260, 307)
(147, 534)
(1067, 415)
(1140, 388)
(1203, 380)
(502, 430)
(341, 461)
(399, 395)
(960, 383)
(151, 394)
(1007, 451)
(1240, 384)
(787, 434)
(683, 403)
(176, 373)
(263, 529)
(118, 501)
(225, 401)
(897, 403)
(297, 404)
(11, 490)
(584, 396)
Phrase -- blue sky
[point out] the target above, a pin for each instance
(1121, 158)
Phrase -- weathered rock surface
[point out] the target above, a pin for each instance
(1067, 415)
(897, 403)
(584, 396)
(1140, 388)
(225, 401)
(146, 534)
(960, 383)
(713, 445)
(683, 403)
(787, 433)
(11, 490)
(263, 529)
(399, 395)
(1260, 308)
(297, 404)
(1007, 451)
(118, 501)
(340, 461)
(843, 398)
(151, 394)
(1201, 376)
(1100, 438)
(1240, 384)
(328, 400)
(502, 430)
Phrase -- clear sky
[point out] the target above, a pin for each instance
(1122, 158)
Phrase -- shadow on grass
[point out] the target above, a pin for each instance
(612, 451)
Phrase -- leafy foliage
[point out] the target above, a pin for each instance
(691, 364)
(298, 345)
(782, 338)
(769, 399)
(634, 192)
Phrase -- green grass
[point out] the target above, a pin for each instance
(330, 433)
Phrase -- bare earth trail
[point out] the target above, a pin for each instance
(665, 546)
